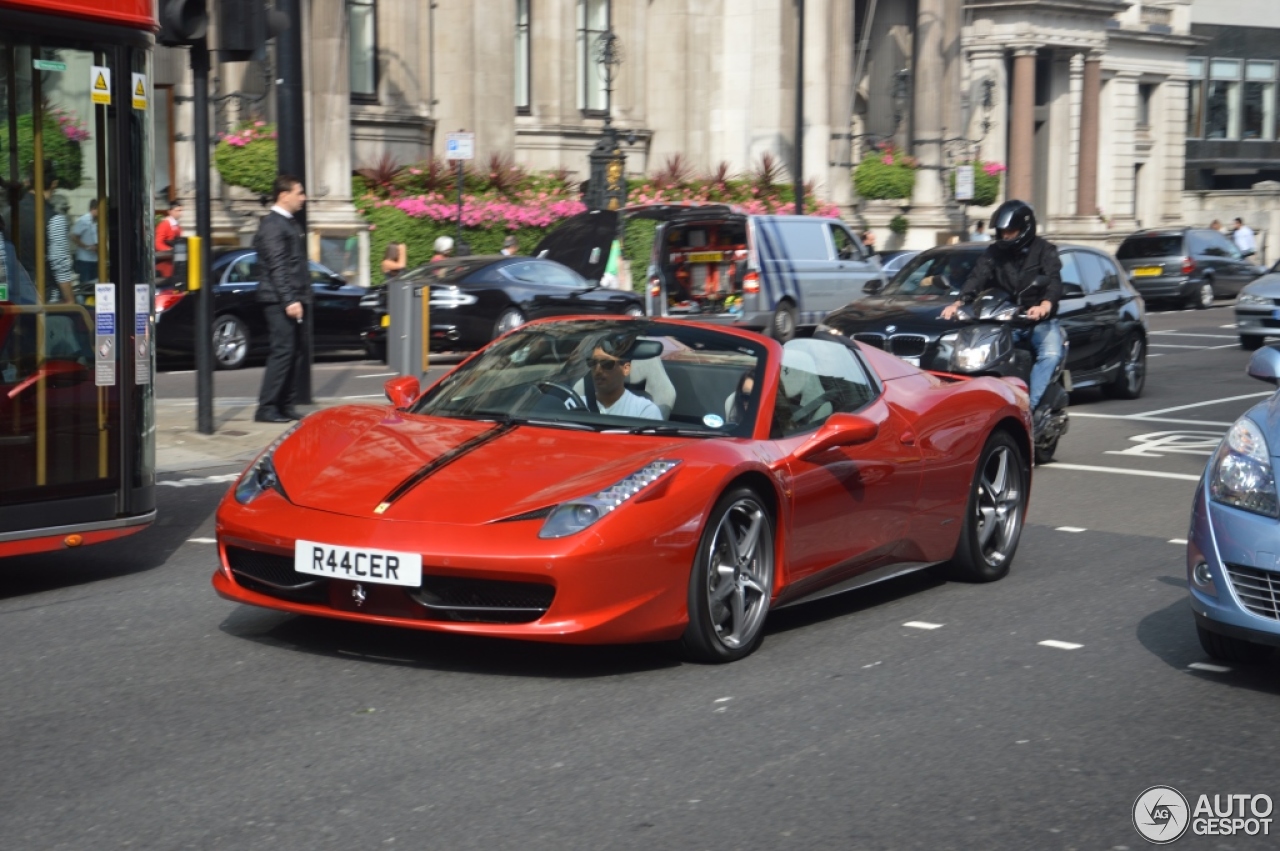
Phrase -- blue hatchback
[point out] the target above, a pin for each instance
(1233, 550)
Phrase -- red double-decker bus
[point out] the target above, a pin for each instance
(77, 446)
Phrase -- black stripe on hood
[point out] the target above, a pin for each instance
(442, 461)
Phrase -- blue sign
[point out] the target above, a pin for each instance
(106, 324)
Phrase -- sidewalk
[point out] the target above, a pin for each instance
(236, 440)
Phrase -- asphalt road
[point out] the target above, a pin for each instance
(141, 711)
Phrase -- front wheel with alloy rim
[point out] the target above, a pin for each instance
(1133, 371)
(731, 581)
(1203, 298)
(510, 320)
(993, 519)
(635, 311)
(230, 342)
(783, 327)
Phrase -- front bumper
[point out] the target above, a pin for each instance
(1242, 551)
(1257, 321)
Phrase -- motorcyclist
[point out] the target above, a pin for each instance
(1027, 267)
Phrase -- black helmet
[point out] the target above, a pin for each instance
(1013, 214)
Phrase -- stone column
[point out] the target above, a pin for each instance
(927, 101)
(987, 63)
(1022, 125)
(1090, 97)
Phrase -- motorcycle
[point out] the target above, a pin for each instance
(986, 347)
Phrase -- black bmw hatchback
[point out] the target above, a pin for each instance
(1101, 314)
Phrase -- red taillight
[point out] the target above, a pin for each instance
(1188, 265)
(167, 299)
(751, 282)
(655, 286)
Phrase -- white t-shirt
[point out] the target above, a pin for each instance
(86, 230)
(631, 405)
(1243, 237)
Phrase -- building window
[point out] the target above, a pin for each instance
(1195, 98)
(1222, 100)
(1145, 92)
(362, 20)
(522, 57)
(1259, 119)
(593, 22)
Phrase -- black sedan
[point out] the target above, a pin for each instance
(475, 299)
(239, 326)
(1102, 315)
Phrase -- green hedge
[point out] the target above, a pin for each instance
(875, 179)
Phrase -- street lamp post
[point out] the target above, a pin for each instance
(607, 185)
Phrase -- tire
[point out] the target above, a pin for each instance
(995, 513)
(376, 351)
(1252, 344)
(635, 311)
(783, 326)
(510, 320)
(1133, 370)
(230, 342)
(720, 631)
(1229, 649)
(1045, 452)
(1202, 298)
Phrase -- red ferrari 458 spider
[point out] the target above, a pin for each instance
(618, 480)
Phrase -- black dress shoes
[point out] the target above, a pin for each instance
(270, 415)
(291, 413)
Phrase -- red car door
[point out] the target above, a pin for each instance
(851, 504)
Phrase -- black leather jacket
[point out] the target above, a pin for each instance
(284, 274)
(1030, 276)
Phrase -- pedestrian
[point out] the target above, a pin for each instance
(444, 249)
(868, 242)
(84, 236)
(14, 280)
(1242, 236)
(169, 230)
(57, 249)
(284, 285)
(980, 232)
(1216, 224)
(393, 260)
(510, 246)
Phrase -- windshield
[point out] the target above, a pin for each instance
(448, 272)
(609, 375)
(938, 274)
(1150, 246)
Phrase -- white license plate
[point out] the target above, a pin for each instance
(912, 361)
(358, 564)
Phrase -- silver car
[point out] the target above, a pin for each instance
(1258, 310)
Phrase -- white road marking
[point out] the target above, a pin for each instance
(1124, 471)
(1157, 444)
(1191, 334)
(872, 665)
(202, 540)
(1202, 404)
(1181, 346)
(1060, 645)
(1205, 666)
(1145, 419)
(207, 480)
(922, 625)
(378, 375)
(1179, 541)
(1232, 325)
(723, 699)
(1070, 529)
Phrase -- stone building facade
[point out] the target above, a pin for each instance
(1084, 100)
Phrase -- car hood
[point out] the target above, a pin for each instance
(350, 460)
(1267, 286)
(915, 314)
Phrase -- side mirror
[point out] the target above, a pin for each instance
(401, 391)
(336, 281)
(1072, 290)
(1265, 365)
(873, 286)
(839, 430)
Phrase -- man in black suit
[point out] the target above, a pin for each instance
(284, 287)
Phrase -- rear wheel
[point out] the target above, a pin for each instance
(1251, 344)
(783, 327)
(1045, 451)
(230, 342)
(635, 311)
(1133, 371)
(1229, 649)
(510, 320)
(731, 581)
(993, 519)
(1203, 296)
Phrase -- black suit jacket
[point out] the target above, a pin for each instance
(284, 276)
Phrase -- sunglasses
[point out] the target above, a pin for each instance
(606, 364)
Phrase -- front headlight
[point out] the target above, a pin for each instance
(1241, 475)
(1250, 298)
(261, 475)
(971, 358)
(571, 517)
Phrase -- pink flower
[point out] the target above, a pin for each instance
(887, 159)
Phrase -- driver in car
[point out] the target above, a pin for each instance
(609, 375)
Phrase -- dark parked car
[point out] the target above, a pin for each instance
(1102, 316)
(476, 299)
(239, 326)
(1189, 265)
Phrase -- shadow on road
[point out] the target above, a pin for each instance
(1170, 635)
(851, 602)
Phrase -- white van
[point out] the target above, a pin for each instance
(716, 263)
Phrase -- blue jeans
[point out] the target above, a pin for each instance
(1045, 339)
